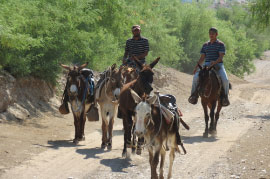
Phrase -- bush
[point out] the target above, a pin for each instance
(37, 35)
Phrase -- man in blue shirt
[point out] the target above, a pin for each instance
(212, 53)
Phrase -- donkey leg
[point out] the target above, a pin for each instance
(217, 115)
(172, 156)
(109, 144)
(133, 140)
(82, 124)
(75, 140)
(104, 131)
(212, 116)
(155, 162)
(161, 170)
(206, 118)
(129, 129)
(124, 153)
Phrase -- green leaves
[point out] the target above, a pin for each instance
(261, 12)
(35, 35)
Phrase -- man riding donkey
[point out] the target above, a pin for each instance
(212, 52)
(137, 48)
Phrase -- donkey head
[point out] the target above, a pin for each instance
(204, 79)
(143, 117)
(74, 79)
(146, 75)
(115, 81)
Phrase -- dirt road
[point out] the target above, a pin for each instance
(240, 150)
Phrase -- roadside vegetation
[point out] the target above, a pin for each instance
(37, 35)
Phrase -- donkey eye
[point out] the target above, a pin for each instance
(113, 80)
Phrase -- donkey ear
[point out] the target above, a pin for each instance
(135, 96)
(65, 67)
(137, 61)
(82, 66)
(113, 67)
(154, 62)
(152, 99)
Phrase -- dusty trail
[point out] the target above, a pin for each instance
(205, 158)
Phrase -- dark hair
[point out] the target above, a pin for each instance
(213, 29)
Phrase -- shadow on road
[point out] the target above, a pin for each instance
(266, 117)
(91, 153)
(56, 144)
(115, 132)
(117, 164)
(198, 139)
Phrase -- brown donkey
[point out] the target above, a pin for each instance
(209, 89)
(158, 134)
(107, 96)
(77, 91)
(141, 85)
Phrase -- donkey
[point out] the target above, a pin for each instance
(77, 91)
(127, 105)
(209, 89)
(158, 134)
(107, 98)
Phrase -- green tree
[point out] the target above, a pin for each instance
(261, 12)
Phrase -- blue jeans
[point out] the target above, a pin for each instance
(222, 73)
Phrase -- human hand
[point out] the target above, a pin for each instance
(195, 70)
(213, 62)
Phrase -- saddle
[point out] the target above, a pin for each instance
(168, 107)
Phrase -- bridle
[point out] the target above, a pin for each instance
(79, 105)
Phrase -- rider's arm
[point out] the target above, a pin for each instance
(126, 52)
(221, 52)
(142, 56)
(201, 60)
(220, 58)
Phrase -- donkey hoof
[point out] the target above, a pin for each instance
(124, 154)
(139, 151)
(133, 150)
(103, 145)
(205, 135)
(75, 141)
(213, 132)
(109, 146)
(82, 139)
